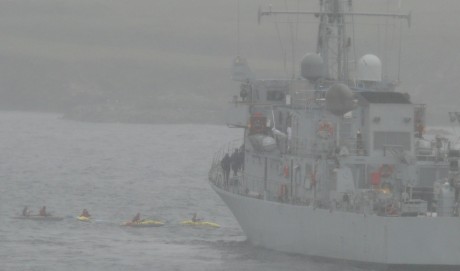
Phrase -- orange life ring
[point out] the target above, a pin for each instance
(325, 129)
(386, 170)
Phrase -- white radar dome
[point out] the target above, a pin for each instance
(369, 68)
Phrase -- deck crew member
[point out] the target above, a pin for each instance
(226, 164)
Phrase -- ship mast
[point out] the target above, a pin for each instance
(333, 44)
(331, 39)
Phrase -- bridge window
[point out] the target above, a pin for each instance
(275, 95)
(392, 139)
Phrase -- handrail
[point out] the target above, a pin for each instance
(236, 143)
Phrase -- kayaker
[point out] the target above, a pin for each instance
(195, 219)
(26, 211)
(85, 213)
(137, 218)
(42, 211)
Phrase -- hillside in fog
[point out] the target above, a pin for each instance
(172, 59)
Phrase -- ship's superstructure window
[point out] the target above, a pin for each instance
(275, 95)
(256, 95)
(392, 139)
(430, 174)
(309, 174)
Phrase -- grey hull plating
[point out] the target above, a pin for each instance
(346, 236)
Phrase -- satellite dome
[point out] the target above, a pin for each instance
(312, 67)
(369, 69)
(339, 99)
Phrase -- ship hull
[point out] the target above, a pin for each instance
(413, 241)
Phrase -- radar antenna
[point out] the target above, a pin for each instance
(333, 43)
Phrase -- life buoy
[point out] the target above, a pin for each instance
(286, 171)
(386, 170)
(325, 129)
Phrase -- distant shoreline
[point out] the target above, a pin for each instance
(150, 118)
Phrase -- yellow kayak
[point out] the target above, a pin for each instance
(200, 224)
(84, 219)
(144, 223)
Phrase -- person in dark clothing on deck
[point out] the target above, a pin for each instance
(241, 158)
(226, 163)
(235, 161)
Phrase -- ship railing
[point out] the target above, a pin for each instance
(354, 148)
(299, 146)
(227, 148)
(394, 150)
(216, 174)
(271, 190)
(254, 186)
(248, 185)
(427, 157)
(241, 183)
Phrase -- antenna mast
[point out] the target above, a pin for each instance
(333, 43)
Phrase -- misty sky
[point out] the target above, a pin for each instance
(181, 51)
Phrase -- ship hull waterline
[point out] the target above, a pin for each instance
(370, 239)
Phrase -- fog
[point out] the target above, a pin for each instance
(171, 60)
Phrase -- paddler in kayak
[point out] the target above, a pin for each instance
(137, 218)
(195, 219)
(85, 213)
(43, 212)
(26, 211)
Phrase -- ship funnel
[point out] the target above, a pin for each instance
(312, 67)
(339, 99)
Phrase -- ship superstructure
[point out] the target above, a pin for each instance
(336, 164)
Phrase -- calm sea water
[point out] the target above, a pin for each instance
(115, 171)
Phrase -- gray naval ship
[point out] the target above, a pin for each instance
(336, 164)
